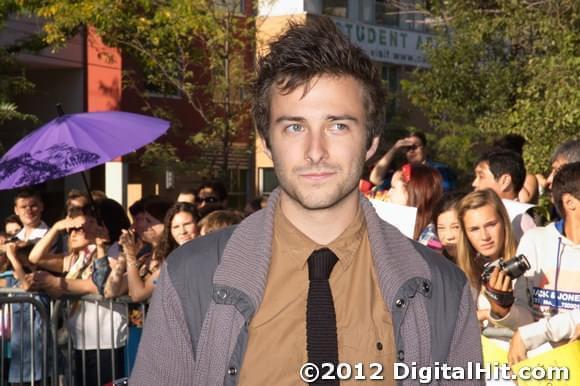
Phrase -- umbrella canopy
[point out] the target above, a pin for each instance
(73, 143)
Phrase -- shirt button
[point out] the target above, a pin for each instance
(426, 287)
(400, 303)
(379, 346)
(232, 371)
(401, 355)
(222, 294)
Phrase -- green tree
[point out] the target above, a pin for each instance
(13, 80)
(199, 50)
(500, 67)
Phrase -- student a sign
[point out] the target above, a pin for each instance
(389, 45)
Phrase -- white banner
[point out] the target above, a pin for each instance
(390, 45)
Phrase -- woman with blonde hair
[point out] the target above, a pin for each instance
(486, 235)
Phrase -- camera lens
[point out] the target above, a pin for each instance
(516, 266)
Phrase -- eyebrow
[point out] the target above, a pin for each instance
(344, 117)
(290, 118)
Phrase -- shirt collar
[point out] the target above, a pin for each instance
(36, 233)
(299, 246)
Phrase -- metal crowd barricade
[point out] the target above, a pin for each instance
(58, 349)
(9, 298)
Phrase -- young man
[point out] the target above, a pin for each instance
(503, 171)
(28, 207)
(316, 276)
(415, 148)
(551, 285)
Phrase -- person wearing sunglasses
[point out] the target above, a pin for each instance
(211, 196)
(414, 147)
(78, 274)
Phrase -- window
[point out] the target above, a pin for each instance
(267, 180)
(238, 183)
(391, 75)
(337, 8)
(386, 13)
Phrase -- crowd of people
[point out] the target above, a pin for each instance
(491, 224)
(245, 302)
(95, 249)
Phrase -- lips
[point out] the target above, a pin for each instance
(317, 176)
(487, 246)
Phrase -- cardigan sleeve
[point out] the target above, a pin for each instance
(165, 355)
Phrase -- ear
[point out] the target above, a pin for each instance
(266, 148)
(569, 202)
(505, 183)
(372, 149)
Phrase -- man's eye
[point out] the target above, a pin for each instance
(294, 128)
(339, 127)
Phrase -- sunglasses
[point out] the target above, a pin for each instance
(411, 148)
(207, 200)
(75, 229)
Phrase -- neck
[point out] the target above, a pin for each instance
(30, 227)
(572, 229)
(321, 225)
(509, 195)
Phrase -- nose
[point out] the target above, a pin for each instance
(474, 183)
(485, 235)
(316, 147)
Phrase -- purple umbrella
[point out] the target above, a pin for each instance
(73, 143)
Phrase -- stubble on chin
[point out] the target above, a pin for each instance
(320, 196)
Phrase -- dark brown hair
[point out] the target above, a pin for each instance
(168, 243)
(566, 180)
(306, 51)
(424, 189)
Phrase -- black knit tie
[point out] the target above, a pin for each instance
(321, 337)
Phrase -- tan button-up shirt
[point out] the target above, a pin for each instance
(277, 333)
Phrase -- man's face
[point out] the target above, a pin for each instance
(318, 140)
(556, 165)
(415, 153)
(205, 197)
(29, 211)
(484, 179)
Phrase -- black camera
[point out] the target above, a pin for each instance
(514, 267)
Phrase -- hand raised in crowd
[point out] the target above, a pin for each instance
(101, 239)
(11, 250)
(517, 351)
(499, 281)
(130, 245)
(68, 223)
(404, 142)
